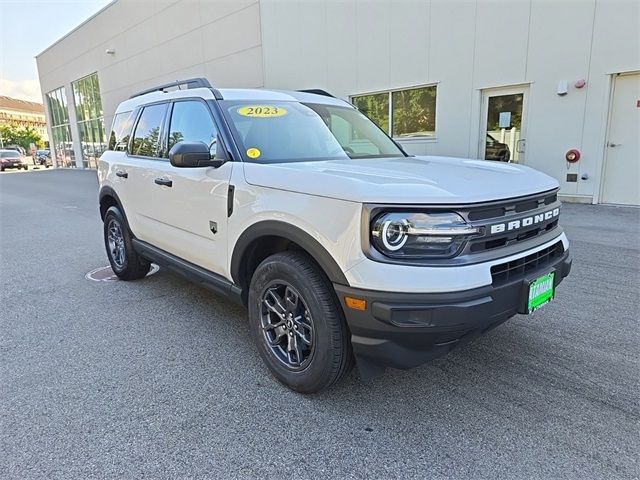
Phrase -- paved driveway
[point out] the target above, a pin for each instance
(158, 378)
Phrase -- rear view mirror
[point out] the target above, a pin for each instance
(192, 155)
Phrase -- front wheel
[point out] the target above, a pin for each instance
(297, 323)
(125, 261)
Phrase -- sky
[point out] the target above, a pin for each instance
(27, 27)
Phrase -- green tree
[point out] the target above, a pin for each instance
(13, 134)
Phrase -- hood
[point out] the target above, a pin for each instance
(407, 180)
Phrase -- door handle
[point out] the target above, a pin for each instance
(122, 174)
(613, 145)
(520, 145)
(164, 182)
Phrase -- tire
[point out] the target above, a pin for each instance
(24, 168)
(1, 169)
(306, 366)
(125, 261)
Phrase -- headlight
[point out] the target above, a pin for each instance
(420, 235)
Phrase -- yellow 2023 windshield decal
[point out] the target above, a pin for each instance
(262, 111)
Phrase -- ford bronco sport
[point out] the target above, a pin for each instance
(341, 245)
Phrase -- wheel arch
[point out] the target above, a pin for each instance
(109, 198)
(264, 238)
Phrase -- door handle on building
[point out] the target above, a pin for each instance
(612, 145)
(122, 174)
(520, 144)
(163, 181)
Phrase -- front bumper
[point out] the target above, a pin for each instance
(404, 330)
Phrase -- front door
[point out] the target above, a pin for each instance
(502, 131)
(621, 183)
(189, 205)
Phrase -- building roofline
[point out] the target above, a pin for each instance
(108, 5)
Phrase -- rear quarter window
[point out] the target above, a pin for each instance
(121, 131)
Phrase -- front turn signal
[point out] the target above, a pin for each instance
(356, 303)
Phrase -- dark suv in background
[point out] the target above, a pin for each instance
(496, 150)
(43, 157)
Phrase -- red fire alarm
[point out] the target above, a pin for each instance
(572, 156)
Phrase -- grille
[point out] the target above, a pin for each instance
(508, 211)
(483, 245)
(517, 206)
(517, 269)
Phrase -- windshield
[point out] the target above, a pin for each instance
(11, 154)
(275, 132)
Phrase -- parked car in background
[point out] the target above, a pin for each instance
(17, 148)
(43, 157)
(11, 159)
(496, 150)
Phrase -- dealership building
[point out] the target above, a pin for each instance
(551, 85)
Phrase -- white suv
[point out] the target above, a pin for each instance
(340, 244)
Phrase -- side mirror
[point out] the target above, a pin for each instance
(192, 155)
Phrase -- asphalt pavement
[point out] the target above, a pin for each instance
(159, 379)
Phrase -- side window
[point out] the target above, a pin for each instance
(147, 135)
(120, 131)
(192, 122)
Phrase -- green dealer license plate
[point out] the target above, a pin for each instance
(540, 292)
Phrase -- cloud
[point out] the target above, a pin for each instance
(22, 89)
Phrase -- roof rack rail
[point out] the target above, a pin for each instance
(317, 91)
(190, 83)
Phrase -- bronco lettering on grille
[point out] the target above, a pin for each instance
(524, 222)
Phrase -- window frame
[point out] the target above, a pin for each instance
(389, 130)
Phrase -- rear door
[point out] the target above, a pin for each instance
(114, 164)
(186, 209)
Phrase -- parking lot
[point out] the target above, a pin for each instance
(158, 378)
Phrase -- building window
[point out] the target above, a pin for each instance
(406, 113)
(376, 107)
(86, 95)
(60, 141)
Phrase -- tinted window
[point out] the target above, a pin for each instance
(146, 138)
(191, 122)
(120, 131)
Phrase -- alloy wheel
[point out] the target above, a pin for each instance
(116, 243)
(287, 325)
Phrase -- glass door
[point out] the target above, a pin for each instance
(502, 132)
